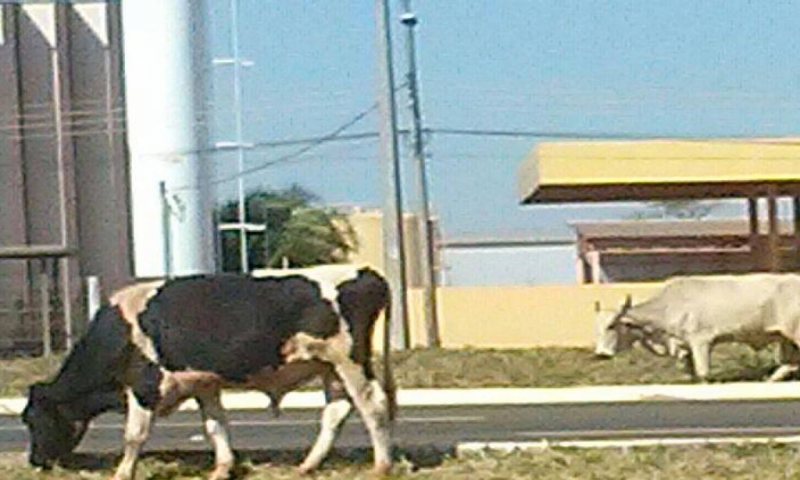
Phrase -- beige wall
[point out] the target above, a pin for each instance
(519, 317)
(495, 317)
(369, 230)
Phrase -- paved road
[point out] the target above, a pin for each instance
(442, 428)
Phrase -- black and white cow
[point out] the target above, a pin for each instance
(161, 343)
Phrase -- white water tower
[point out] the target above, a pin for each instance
(165, 73)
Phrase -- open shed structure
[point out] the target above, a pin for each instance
(655, 170)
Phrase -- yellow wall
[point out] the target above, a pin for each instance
(369, 231)
(494, 317)
(519, 317)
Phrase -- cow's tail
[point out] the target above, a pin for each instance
(389, 384)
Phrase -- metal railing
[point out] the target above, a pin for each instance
(30, 321)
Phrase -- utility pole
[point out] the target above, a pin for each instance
(393, 252)
(409, 20)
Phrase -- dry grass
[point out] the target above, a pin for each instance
(553, 367)
(541, 367)
(564, 367)
(674, 463)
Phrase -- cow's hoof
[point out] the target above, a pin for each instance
(304, 470)
(221, 472)
(381, 470)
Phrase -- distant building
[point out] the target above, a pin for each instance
(648, 250)
(510, 259)
(63, 165)
(75, 134)
(368, 227)
(666, 171)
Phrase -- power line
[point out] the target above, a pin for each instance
(309, 145)
(593, 135)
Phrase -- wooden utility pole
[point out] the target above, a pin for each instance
(393, 252)
(409, 20)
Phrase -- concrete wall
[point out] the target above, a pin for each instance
(12, 187)
(63, 165)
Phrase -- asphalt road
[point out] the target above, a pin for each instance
(442, 428)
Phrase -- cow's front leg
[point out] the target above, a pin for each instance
(215, 425)
(701, 358)
(337, 409)
(789, 359)
(137, 428)
(372, 404)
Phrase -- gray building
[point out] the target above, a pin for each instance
(63, 165)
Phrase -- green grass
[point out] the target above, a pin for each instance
(541, 367)
(675, 463)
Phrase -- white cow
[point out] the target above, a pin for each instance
(696, 313)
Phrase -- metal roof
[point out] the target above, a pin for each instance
(659, 170)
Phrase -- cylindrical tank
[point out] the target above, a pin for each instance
(165, 65)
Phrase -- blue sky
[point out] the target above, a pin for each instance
(674, 68)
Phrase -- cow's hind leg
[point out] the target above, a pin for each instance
(368, 397)
(137, 428)
(337, 409)
(215, 425)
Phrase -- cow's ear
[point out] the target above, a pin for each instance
(597, 306)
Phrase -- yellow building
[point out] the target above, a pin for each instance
(524, 317)
(369, 231)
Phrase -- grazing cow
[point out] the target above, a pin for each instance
(163, 342)
(695, 313)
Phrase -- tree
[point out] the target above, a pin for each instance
(296, 231)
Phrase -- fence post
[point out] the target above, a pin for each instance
(44, 294)
(92, 296)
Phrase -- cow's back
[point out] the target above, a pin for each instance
(723, 304)
(232, 325)
(785, 308)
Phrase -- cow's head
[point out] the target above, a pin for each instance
(53, 434)
(613, 334)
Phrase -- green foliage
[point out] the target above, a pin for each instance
(297, 231)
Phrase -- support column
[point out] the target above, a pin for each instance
(773, 234)
(594, 266)
(755, 251)
(796, 230)
(580, 270)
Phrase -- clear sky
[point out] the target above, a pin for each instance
(672, 68)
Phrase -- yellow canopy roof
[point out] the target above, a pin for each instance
(658, 170)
